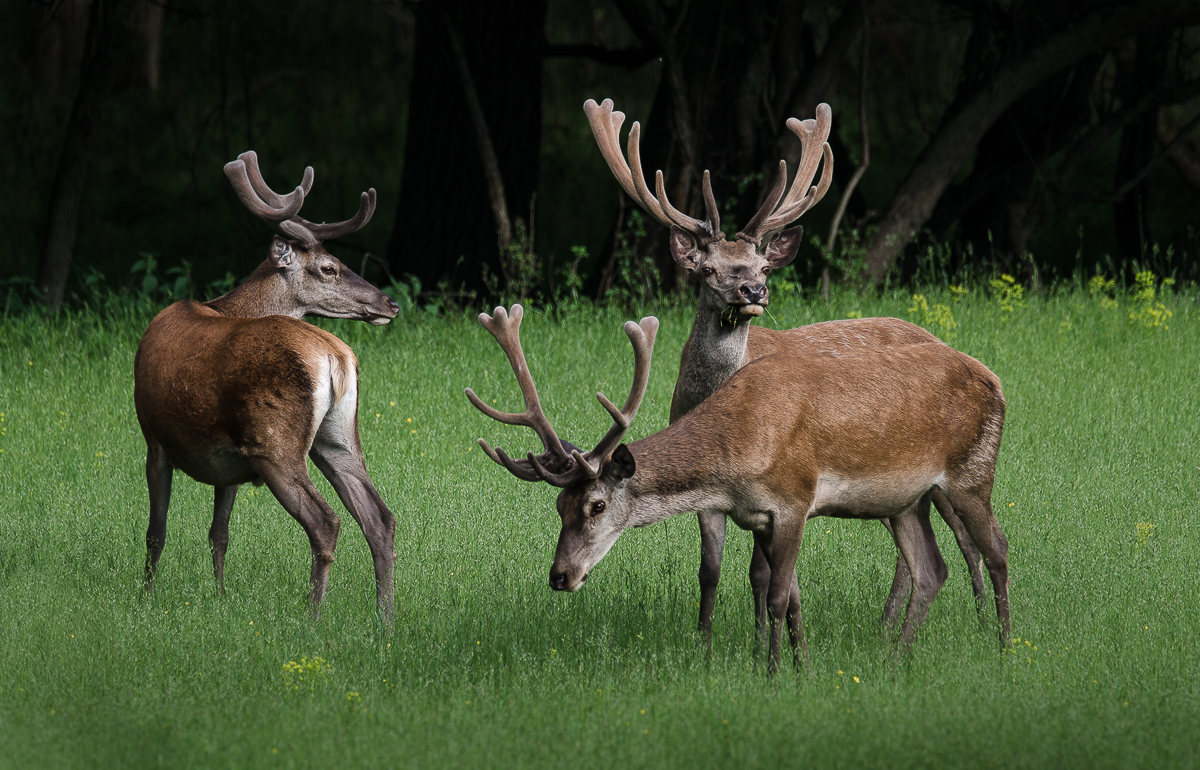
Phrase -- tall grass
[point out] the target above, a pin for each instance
(1096, 489)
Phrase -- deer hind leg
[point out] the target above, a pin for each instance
(781, 549)
(294, 490)
(914, 537)
(760, 583)
(158, 481)
(347, 472)
(712, 546)
(218, 533)
(967, 546)
(901, 587)
(796, 626)
(974, 506)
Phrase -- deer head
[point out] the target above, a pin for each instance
(304, 278)
(591, 483)
(733, 273)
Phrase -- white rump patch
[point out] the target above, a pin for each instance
(335, 399)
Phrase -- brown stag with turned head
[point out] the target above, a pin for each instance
(868, 434)
(239, 389)
(733, 291)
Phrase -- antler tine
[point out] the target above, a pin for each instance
(813, 134)
(641, 337)
(801, 197)
(265, 193)
(506, 327)
(278, 209)
(514, 467)
(606, 128)
(702, 230)
(751, 232)
(327, 232)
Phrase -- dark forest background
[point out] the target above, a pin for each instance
(1044, 138)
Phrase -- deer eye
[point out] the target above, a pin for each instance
(766, 269)
(329, 270)
(706, 270)
(598, 507)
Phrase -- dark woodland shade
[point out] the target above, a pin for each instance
(1058, 128)
(444, 212)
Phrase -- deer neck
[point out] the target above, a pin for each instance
(264, 293)
(669, 482)
(715, 350)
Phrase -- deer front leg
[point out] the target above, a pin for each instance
(218, 533)
(347, 472)
(294, 490)
(712, 546)
(782, 547)
(158, 482)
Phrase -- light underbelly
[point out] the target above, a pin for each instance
(874, 497)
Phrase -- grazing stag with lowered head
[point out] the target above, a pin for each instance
(790, 436)
(239, 389)
(733, 291)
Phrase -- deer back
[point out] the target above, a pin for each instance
(845, 413)
(832, 336)
(712, 355)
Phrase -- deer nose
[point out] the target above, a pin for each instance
(755, 293)
(558, 580)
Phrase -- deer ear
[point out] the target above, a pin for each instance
(281, 252)
(621, 466)
(684, 248)
(782, 250)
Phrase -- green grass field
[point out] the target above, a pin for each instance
(486, 666)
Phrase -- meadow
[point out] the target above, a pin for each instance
(486, 666)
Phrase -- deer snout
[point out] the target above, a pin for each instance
(560, 581)
(382, 310)
(755, 294)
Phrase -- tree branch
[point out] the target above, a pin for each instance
(630, 58)
(487, 153)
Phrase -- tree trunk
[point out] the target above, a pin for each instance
(1130, 217)
(445, 228)
(967, 121)
(1183, 155)
(109, 28)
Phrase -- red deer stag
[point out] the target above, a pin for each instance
(239, 389)
(790, 436)
(733, 291)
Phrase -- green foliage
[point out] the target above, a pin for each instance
(938, 319)
(405, 293)
(306, 673)
(1146, 311)
(519, 266)
(487, 666)
(568, 290)
(1008, 295)
(1143, 299)
(848, 255)
(635, 280)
